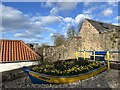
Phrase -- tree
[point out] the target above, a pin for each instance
(58, 39)
(71, 32)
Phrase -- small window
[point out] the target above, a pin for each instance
(104, 25)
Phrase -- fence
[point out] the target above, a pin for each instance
(100, 54)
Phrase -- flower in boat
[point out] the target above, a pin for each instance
(75, 69)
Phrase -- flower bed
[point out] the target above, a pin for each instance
(68, 68)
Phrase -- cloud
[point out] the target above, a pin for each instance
(107, 12)
(51, 34)
(54, 11)
(28, 28)
(113, 3)
(68, 26)
(19, 34)
(2, 29)
(68, 20)
(29, 36)
(89, 10)
(32, 40)
(80, 18)
(75, 23)
(86, 4)
(48, 4)
(60, 6)
(32, 28)
(13, 19)
(77, 20)
(67, 5)
(118, 24)
(118, 18)
(63, 6)
(50, 19)
(46, 20)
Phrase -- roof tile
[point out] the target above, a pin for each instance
(101, 27)
(16, 50)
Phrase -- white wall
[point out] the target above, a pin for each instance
(12, 66)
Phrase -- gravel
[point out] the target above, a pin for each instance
(107, 79)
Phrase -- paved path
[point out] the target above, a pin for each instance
(107, 79)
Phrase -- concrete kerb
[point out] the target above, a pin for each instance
(0, 80)
(12, 71)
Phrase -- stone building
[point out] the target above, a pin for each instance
(93, 35)
(33, 46)
(96, 35)
(99, 36)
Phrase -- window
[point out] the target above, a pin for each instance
(104, 25)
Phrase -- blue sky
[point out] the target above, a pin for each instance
(36, 22)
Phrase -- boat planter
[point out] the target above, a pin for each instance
(40, 78)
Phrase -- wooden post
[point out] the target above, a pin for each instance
(79, 52)
(108, 58)
(94, 55)
(76, 55)
(84, 54)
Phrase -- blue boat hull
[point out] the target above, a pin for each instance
(38, 78)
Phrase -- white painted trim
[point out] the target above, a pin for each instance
(12, 66)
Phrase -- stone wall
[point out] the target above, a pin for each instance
(66, 51)
(89, 39)
(110, 41)
(94, 40)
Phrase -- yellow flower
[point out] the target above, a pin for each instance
(78, 68)
(76, 65)
(45, 70)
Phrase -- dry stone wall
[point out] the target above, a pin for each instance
(66, 51)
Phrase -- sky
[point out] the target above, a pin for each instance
(36, 22)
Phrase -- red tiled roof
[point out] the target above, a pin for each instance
(16, 50)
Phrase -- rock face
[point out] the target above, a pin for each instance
(93, 36)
